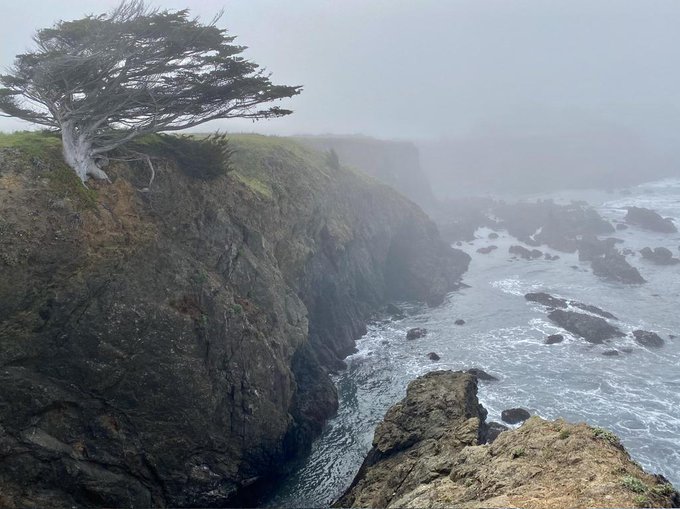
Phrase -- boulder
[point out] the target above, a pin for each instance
(659, 256)
(416, 333)
(553, 339)
(611, 353)
(649, 220)
(493, 235)
(460, 321)
(433, 356)
(487, 249)
(649, 339)
(525, 253)
(480, 374)
(614, 267)
(515, 415)
(591, 328)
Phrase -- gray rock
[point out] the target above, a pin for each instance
(480, 374)
(591, 328)
(614, 267)
(649, 339)
(659, 256)
(553, 339)
(487, 249)
(515, 415)
(649, 220)
(416, 333)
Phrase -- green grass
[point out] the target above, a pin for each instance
(261, 162)
(64, 182)
(41, 151)
(564, 434)
(256, 185)
(606, 435)
(633, 484)
(642, 501)
(518, 453)
(33, 143)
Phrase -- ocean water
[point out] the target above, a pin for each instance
(636, 395)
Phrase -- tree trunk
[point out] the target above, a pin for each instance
(78, 154)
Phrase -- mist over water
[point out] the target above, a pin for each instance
(636, 395)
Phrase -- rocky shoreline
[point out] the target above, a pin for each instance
(435, 449)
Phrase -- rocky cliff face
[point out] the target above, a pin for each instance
(171, 347)
(430, 451)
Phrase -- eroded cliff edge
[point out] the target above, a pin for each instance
(431, 451)
(170, 347)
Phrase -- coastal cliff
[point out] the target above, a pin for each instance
(396, 163)
(171, 346)
(435, 449)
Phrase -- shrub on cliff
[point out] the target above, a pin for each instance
(108, 79)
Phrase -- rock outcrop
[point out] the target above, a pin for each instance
(591, 328)
(430, 452)
(171, 347)
(659, 256)
(550, 301)
(649, 220)
(614, 267)
(647, 338)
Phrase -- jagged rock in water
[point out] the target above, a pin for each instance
(459, 321)
(515, 415)
(646, 338)
(487, 249)
(428, 453)
(556, 302)
(170, 348)
(546, 299)
(659, 256)
(554, 339)
(525, 253)
(415, 333)
(493, 235)
(611, 353)
(591, 328)
(480, 374)
(591, 247)
(433, 356)
(614, 267)
(649, 220)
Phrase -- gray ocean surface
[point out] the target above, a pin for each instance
(636, 395)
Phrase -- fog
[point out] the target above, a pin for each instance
(490, 72)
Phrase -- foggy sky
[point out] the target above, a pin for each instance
(438, 68)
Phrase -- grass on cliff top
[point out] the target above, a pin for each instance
(41, 144)
(263, 162)
(41, 152)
